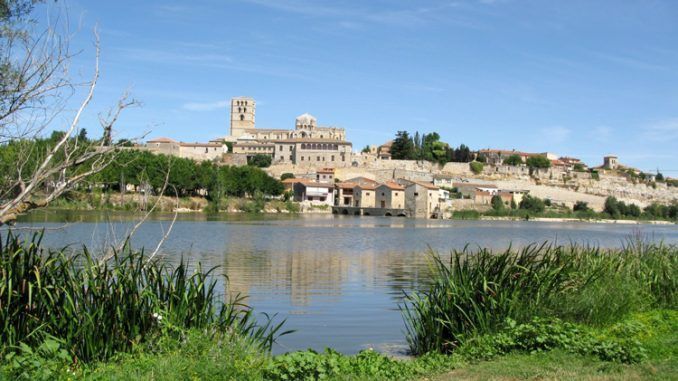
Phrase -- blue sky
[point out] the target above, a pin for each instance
(578, 78)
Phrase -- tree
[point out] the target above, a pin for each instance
(514, 159)
(497, 203)
(402, 147)
(34, 87)
(659, 176)
(612, 207)
(533, 204)
(476, 167)
(366, 149)
(260, 160)
(538, 161)
(286, 176)
(579, 167)
(82, 135)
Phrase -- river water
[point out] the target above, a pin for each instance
(338, 280)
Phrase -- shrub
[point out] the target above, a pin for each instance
(581, 206)
(476, 167)
(260, 160)
(538, 161)
(286, 176)
(513, 160)
(532, 204)
(497, 203)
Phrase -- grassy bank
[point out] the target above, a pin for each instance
(111, 201)
(543, 311)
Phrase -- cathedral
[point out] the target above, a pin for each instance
(307, 143)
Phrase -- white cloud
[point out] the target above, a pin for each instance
(662, 131)
(205, 106)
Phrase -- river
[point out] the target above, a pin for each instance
(338, 280)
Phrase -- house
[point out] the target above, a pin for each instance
(390, 195)
(364, 195)
(516, 194)
(384, 150)
(484, 197)
(325, 175)
(422, 199)
(468, 190)
(344, 192)
(443, 180)
(314, 192)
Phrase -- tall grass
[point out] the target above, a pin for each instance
(100, 308)
(475, 292)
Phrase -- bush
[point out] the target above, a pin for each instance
(513, 160)
(497, 203)
(476, 167)
(286, 176)
(581, 206)
(538, 161)
(260, 160)
(532, 204)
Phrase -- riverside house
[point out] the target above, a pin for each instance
(390, 195)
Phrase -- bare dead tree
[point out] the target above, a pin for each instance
(35, 89)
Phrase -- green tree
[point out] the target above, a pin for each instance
(476, 167)
(366, 149)
(612, 207)
(579, 167)
(514, 159)
(497, 203)
(538, 161)
(82, 135)
(533, 204)
(659, 176)
(286, 176)
(260, 160)
(402, 147)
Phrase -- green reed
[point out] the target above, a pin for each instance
(99, 308)
(475, 292)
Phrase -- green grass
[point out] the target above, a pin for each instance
(542, 312)
(95, 309)
(475, 293)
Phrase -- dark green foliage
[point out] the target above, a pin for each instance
(365, 149)
(538, 161)
(546, 334)
(402, 147)
(497, 203)
(476, 167)
(367, 365)
(513, 160)
(532, 204)
(618, 209)
(477, 291)
(579, 167)
(260, 160)
(286, 176)
(98, 309)
(581, 206)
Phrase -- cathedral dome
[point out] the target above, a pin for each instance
(306, 119)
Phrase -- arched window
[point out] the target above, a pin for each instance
(245, 109)
(242, 117)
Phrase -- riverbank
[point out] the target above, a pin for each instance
(571, 219)
(608, 313)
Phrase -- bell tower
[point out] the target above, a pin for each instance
(242, 115)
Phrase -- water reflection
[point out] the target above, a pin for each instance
(337, 279)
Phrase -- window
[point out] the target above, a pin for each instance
(382, 193)
(318, 158)
(242, 117)
(244, 109)
(367, 193)
(290, 148)
(302, 158)
(396, 193)
(416, 194)
(332, 157)
(290, 157)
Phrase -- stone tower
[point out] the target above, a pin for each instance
(242, 115)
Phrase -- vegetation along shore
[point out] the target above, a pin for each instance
(605, 312)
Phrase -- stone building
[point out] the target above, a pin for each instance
(308, 143)
(610, 162)
(195, 151)
(390, 195)
(421, 199)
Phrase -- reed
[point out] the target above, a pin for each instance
(101, 308)
(477, 291)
